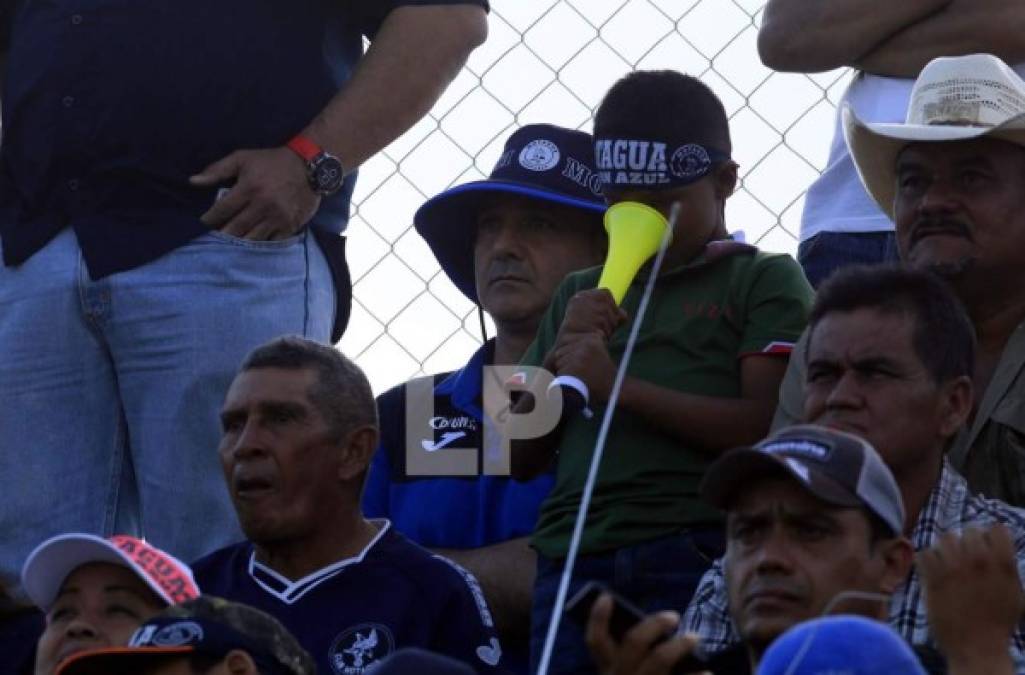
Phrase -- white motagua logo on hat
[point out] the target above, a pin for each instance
(954, 99)
(177, 634)
(539, 155)
(689, 160)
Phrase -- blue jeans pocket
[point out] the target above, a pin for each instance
(270, 244)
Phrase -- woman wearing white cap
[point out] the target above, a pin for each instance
(95, 592)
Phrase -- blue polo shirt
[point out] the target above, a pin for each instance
(110, 105)
(460, 513)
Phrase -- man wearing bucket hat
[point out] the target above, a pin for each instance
(950, 177)
(506, 243)
(205, 635)
(96, 591)
(888, 44)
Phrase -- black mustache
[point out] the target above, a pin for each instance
(926, 226)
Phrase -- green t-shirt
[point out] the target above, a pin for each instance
(703, 317)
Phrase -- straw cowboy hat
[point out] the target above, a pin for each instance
(954, 99)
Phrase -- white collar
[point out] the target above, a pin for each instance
(288, 591)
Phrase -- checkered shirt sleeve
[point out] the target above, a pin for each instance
(952, 508)
(707, 615)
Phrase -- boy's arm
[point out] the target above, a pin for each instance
(530, 457)
(776, 308)
(709, 422)
(586, 313)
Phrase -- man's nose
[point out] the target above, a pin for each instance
(507, 240)
(81, 628)
(938, 197)
(846, 392)
(249, 441)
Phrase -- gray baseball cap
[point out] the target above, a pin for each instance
(837, 467)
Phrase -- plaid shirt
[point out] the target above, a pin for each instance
(950, 508)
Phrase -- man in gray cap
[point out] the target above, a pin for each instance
(950, 178)
(506, 243)
(815, 523)
(889, 358)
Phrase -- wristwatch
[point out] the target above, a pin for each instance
(323, 170)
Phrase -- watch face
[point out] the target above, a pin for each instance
(327, 175)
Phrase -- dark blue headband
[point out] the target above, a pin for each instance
(646, 164)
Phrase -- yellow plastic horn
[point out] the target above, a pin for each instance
(635, 232)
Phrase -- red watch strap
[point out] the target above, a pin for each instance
(304, 147)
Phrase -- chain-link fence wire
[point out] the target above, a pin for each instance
(551, 61)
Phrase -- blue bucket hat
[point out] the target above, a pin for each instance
(541, 161)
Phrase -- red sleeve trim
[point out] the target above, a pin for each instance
(777, 348)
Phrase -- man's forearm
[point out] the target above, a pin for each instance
(415, 55)
(813, 35)
(964, 27)
(707, 422)
(506, 573)
(530, 457)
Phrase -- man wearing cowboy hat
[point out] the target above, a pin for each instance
(506, 243)
(888, 43)
(950, 178)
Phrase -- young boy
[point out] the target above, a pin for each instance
(703, 377)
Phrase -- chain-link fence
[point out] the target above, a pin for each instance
(551, 61)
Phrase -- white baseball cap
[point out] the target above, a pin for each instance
(49, 565)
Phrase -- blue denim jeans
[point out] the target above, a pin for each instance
(656, 575)
(827, 252)
(110, 390)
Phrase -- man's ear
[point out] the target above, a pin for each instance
(726, 180)
(357, 450)
(897, 557)
(957, 399)
(238, 662)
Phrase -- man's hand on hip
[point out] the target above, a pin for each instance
(270, 197)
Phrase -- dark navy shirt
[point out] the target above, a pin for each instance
(450, 512)
(110, 105)
(355, 612)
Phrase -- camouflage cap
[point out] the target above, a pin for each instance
(206, 625)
